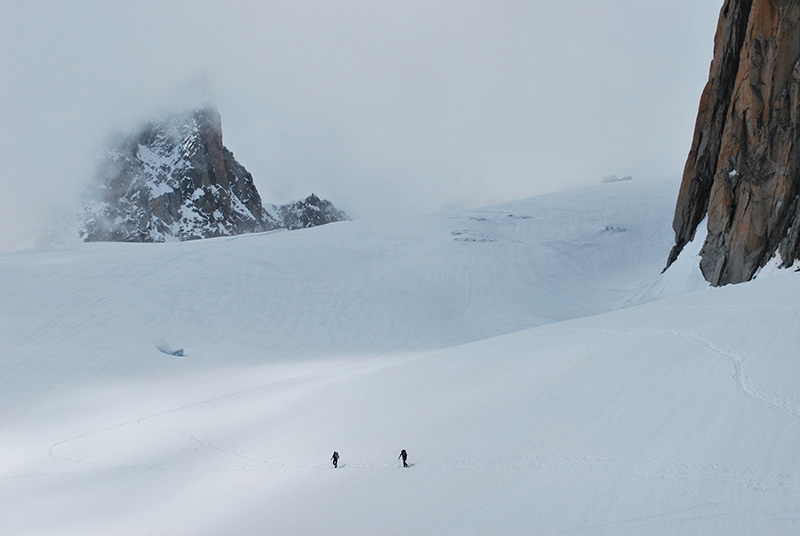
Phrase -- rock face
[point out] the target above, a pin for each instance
(310, 212)
(175, 180)
(743, 170)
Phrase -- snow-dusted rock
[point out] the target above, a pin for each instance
(175, 180)
(310, 212)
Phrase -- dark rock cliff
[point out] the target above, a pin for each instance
(743, 169)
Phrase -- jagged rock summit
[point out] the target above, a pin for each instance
(743, 170)
(175, 180)
(310, 212)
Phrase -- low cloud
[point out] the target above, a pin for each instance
(382, 107)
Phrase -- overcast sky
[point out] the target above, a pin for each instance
(385, 107)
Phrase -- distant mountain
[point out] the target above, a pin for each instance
(174, 180)
(310, 212)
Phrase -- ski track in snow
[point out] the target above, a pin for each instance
(737, 360)
(647, 522)
(742, 380)
(454, 290)
(582, 466)
(201, 443)
(755, 480)
(656, 475)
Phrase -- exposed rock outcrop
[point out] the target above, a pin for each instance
(310, 212)
(743, 170)
(175, 180)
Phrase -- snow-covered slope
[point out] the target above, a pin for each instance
(490, 344)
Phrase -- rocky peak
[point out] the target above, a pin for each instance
(173, 179)
(743, 169)
(310, 212)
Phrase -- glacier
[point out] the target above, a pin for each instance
(542, 374)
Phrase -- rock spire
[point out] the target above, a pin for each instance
(743, 169)
(174, 180)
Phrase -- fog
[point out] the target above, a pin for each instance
(386, 107)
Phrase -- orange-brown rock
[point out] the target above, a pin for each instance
(743, 170)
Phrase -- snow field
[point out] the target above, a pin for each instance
(487, 343)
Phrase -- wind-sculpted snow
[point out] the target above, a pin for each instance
(489, 344)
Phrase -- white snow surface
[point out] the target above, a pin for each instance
(201, 387)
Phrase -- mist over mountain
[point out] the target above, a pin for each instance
(174, 180)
